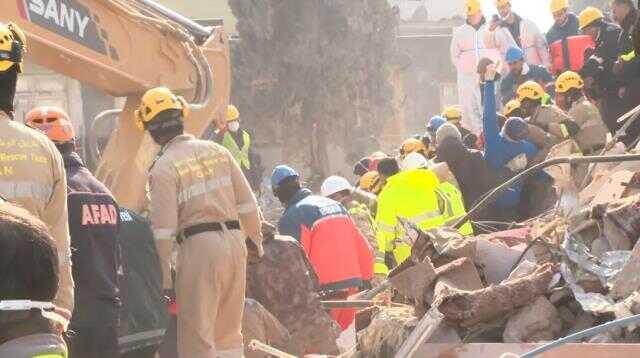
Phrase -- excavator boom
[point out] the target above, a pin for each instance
(124, 47)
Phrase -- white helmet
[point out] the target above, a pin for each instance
(334, 184)
(414, 161)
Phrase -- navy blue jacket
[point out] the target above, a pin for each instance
(303, 210)
(569, 29)
(94, 221)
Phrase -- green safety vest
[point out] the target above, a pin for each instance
(240, 155)
(453, 206)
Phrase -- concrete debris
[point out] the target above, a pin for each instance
(497, 259)
(459, 275)
(579, 272)
(582, 322)
(469, 308)
(391, 327)
(413, 281)
(628, 280)
(536, 322)
(525, 268)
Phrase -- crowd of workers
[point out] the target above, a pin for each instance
(60, 257)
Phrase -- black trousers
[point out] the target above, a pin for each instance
(93, 342)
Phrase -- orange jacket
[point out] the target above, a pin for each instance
(338, 252)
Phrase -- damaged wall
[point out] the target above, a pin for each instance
(308, 75)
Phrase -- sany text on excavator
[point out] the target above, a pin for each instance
(124, 47)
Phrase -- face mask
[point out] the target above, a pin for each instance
(234, 126)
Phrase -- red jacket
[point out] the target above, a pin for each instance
(339, 253)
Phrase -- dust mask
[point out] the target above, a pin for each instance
(234, 126)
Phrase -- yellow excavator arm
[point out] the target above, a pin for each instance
(125, 47)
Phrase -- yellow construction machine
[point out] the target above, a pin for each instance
(123, 48)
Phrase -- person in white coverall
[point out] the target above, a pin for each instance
(526, 34)
(471, 42)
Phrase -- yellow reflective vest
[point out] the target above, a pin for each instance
(453, 208)
(412, 196)
(241, 155)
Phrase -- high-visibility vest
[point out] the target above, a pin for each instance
(410, 195)
(453, 206)
(241, 155)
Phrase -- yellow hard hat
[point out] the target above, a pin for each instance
(473, 7)
(156, 101)
(501, 3)
(232, 113)
(452, 113)
(588, 16)
(11, 35)
(557, 5)
(567, 81)
(530, 90)
(510, 107)
(412, 145)
(371, 182)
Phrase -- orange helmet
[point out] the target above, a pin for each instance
(412, 145)
(52, 121)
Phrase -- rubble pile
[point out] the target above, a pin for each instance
(560, 273)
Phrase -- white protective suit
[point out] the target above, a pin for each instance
(468, 46)
(534, 44)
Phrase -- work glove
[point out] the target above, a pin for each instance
(490, 73)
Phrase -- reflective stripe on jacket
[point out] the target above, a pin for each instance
(410, 195)
(241, 155)
(337, 250)
(453, 206)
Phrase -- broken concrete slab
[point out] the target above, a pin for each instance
(583, 321)
(525, 268)
(628, 280)
(497, 259)
(469, 308)
(413, 281)
(459, 275)
(536, 322)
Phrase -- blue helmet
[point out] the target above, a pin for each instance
(435, 123)
(514, 54)
(280, 173)
(516, 129)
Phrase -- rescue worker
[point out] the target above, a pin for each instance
(413, 145)
(507, 152)
(29, 259)
(600, 81)
(512, 109)
(372, 182)
(450, 198)
(33, 174)
(471, 42)
(520, 72)
(199, 196)
(592, 136)
(238, 141)
(93, 222)
(339, 189)
(453, 115)
(548, 125)
(564, 26)
(627, 68)
(467, 165)
(285, 283)
(411, 195)
(328, 236)
(526, 34)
